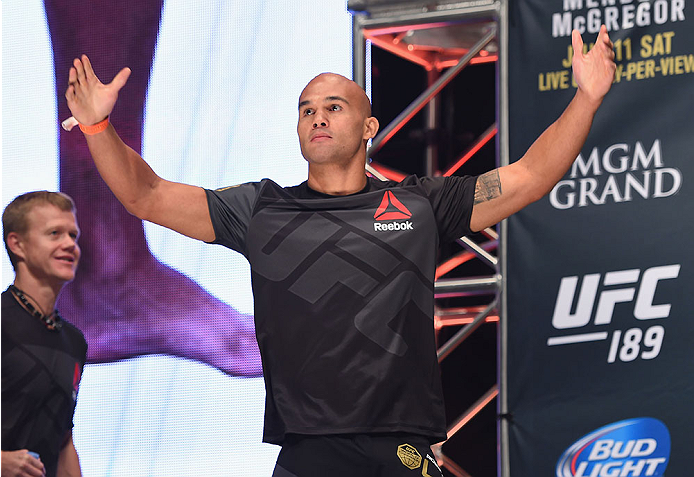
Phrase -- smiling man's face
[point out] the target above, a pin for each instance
(49, 247)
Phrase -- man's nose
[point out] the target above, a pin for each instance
(69, 242)
(320, 121)
(70, 245)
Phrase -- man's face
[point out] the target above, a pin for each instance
(333, 120)
(49, 247)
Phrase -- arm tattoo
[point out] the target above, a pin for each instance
(488, 187)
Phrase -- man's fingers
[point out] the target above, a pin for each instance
(606, 46)
(72, 77)
(603, 35)
(71, 84)
(121, 78)
(604, 40)
(30, 465)
(37, 464)
(88, 70)
(577, 43)
(77, 64)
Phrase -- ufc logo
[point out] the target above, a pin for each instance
(317, 266)
(624, 286)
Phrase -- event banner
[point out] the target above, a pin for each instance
(601, 270)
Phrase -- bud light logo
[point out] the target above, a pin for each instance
(633, 448)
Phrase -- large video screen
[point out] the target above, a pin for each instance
(173, 384)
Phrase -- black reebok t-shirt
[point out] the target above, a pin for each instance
(343, 293)
(41, 370)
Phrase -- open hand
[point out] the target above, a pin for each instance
(89, 100)
(594, 71)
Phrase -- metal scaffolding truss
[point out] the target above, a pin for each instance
(444, 37)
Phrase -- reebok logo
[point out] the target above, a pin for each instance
(391, 208)
(392, 226)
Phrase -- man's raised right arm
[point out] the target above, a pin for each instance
(179, 207)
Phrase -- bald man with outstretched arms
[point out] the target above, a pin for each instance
(343, 264)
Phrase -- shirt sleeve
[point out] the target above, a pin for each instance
(231, 209)
(452, 199)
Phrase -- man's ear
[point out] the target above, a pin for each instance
(371, 127)
(14, 243)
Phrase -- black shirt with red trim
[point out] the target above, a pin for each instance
(41, 371)
(344, 302)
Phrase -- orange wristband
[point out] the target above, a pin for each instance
(94, 128)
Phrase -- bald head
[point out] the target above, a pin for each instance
(335, 123)
(344, 88)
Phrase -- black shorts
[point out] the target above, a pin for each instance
(363, 455)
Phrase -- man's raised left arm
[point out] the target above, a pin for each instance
(506, 190)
